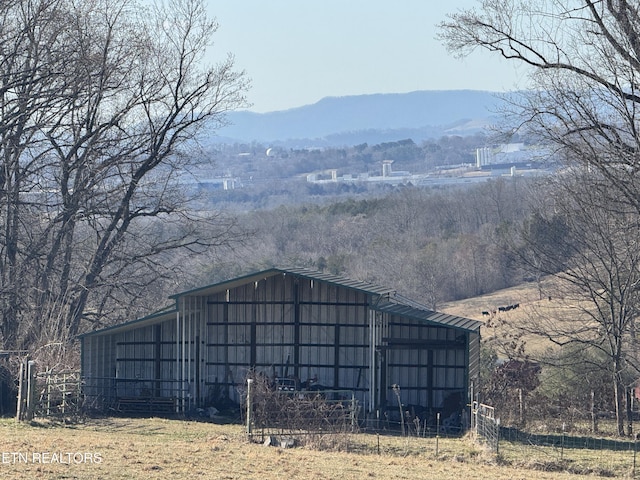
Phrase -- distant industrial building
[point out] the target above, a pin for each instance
(508, 153)
(484, 157)
(388, 175)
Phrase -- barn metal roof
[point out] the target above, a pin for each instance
(422, 313)
(161, 316)
(387, 300)
(365, 287)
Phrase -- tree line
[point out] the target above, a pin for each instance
(431, 244)
(100, 106)
(362, 158)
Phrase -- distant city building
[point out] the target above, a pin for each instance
(483, 157)
(386, 168)
(512, 159)
(508, 153)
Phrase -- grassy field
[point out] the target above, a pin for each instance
(154, 448)
(535, 303)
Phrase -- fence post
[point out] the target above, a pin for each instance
(437, 431)
(353, 411)
(64, 393)
(635, 454)
(48, 377)
(249, 404)
(21, 391)
(31, 389)
(396, 390)
(562, 444)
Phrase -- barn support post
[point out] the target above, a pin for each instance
(157, 332)
(373, 404)
(226, 381)
(197, 370)
(430, 395)
(336, 356)
(296, 328)
(202, 360)
(178, 383)
(183, 353)
(253, 333)
(190, 353)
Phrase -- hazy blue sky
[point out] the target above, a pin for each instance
(299, 51)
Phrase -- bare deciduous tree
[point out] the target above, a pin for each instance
(594, 253)
(101, 104)
(584, 60)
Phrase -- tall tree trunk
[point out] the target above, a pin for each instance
(629, 404)
(594, 414)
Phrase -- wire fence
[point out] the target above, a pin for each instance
(607, 457)
(486, 425)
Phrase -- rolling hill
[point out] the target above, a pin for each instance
(351, 120)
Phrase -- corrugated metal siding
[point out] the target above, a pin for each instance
(427, 362)
(99, 369)
(134, 363)
(474, 364)
(191, 352)
(145, 361)
(284, 325)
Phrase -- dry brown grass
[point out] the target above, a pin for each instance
(543, 306)
(177, 449)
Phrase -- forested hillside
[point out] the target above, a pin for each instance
(431, 244)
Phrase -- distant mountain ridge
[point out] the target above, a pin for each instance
(376, 117)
